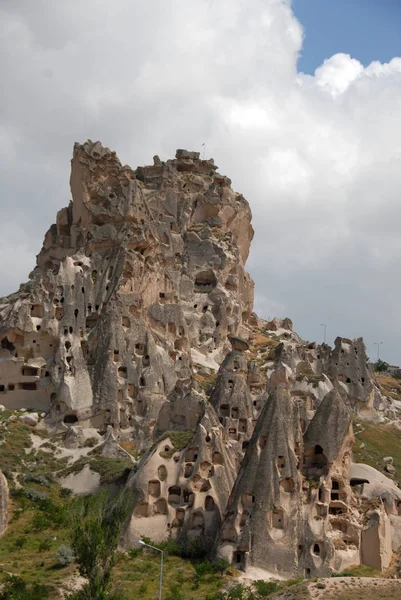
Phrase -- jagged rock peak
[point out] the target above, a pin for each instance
(141, 277)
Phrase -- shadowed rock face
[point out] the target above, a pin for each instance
(182, 493)
(142, 273)
(196, 480)
(3, 503)
(290, 489)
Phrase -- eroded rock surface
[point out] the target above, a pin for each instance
(137, 326)
(3, 503)
(142, 275)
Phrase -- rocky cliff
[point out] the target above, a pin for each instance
(141, 278)
(3, 503)
(137, 321)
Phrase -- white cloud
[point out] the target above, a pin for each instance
(318, 157)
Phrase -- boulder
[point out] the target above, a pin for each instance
(31, 419)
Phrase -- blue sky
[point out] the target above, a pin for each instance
(366, 29)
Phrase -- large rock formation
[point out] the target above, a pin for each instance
(292, 493)
(139, 298)
(141, 276)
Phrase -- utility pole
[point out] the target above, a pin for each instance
(378, 344)
(161, 565)
(325, 328)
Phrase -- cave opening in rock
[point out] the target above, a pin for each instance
(205, 282)
(70, 419)
(29, 371)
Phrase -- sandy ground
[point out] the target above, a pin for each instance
(84, 482)
(73, 454)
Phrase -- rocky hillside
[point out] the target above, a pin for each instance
(134, 350)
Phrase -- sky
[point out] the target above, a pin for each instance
(299, 103)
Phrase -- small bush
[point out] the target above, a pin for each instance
(45, 545)
(34, 495)
(40, 522)
(16, 588)
(40, 479)
(20, 541)
(64, 556)
(175, 593)
(264, 588)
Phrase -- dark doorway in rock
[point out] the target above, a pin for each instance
(70, 419)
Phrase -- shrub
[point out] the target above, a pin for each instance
(264, 588)
(20, 541)
(40, 522)
(34, 495)
(45, 545)
(64, 556)
(16, 588)
(175, 593)
(96, 523)
(40, 479)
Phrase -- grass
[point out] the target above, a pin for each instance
(29, 546)
(391, 386)
(206, 382)
(375, 441)
(111, 470)
(179, 439)
(359, 571)
(16, 456)
(139, 578)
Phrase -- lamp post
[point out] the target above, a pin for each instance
(161, 565)
(378, 344)
(325, 328)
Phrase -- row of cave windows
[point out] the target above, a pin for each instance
(336, 494)
(239, 556)
(20, 386)
(176, 497)
(225, 410)
(160, 507)
(29, 386)
(92, 318)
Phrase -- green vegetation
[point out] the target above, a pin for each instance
(359, 571)
(374, 441)
(179, 439)
(381, 366)
(95, 526)
(391, 386)
(16, 588)
(111, 470)
(28, 549)
(206, 382)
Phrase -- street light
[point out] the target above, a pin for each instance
(325, 327)
(161, 564)
(378, 344)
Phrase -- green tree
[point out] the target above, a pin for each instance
(96, 523)
(381, 366)
(16, 588)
